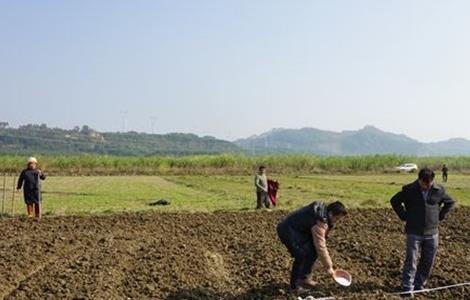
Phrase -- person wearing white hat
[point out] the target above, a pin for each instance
(30, 180)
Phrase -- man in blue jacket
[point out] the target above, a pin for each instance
(422, 205)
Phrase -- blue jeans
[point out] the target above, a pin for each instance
(416, 271)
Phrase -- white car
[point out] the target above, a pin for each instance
(407, 168)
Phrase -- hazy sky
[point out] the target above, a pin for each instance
(236, 68)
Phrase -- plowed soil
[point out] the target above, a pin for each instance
(223, 255)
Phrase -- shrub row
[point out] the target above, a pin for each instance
(225, 164)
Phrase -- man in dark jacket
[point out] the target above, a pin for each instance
(422, 205)
(30, 180)
(445, 173)
(304, 233)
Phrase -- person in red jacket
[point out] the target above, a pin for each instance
(273, 187)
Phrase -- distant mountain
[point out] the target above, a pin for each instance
(452, 147)
(40, 139)
(368, 140)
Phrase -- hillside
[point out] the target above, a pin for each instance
(368, 140)
(40, 139)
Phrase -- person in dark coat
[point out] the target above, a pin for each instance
(304, 233)
(30, 180)
(422, 205)
(445, 173)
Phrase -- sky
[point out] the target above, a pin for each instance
(232, 69)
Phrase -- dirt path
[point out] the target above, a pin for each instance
(207, 256)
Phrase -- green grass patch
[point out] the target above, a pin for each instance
(111, 194)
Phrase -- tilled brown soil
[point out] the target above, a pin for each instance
(222, 255)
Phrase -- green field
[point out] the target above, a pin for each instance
(109, 194)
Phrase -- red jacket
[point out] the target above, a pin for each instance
(273, 186)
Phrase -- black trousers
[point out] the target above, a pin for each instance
(300, 247)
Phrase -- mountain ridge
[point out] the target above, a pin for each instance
(368, 140)
(40, 139)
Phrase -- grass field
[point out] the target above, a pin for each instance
(108, 194)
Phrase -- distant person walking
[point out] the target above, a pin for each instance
(261, 184)
(445, 173)
(304, 233)
(30, 181)
(422, 205)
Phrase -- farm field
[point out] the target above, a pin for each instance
(100, 239)
(222, 255)
(206, 193)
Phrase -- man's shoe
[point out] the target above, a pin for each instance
(299, 290)
(309, 283)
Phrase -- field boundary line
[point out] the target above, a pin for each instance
(398, 293)
(435, 289)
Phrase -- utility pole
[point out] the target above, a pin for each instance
(228, 135)
(153, 121)
(124, 114)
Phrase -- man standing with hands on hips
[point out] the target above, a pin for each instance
(422, 205)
